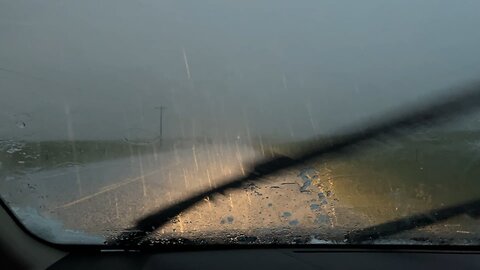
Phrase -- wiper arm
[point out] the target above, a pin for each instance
(462, 101)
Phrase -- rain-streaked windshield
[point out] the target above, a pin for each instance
(111, 111)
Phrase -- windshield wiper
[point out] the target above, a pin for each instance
(471, 208)
(462, 101)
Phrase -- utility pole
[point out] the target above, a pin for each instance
(160, 108)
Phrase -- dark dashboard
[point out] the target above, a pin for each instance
(270, 259)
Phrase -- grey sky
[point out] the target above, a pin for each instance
(261, 66)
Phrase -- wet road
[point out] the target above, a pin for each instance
(124, 188)
(73, 183)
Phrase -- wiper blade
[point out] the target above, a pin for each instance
(471, 208)
(154, 221)
(458, 103)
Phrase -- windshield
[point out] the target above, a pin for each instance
(125, 122)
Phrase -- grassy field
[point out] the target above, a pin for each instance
(48, 154)
(395, 177)
(43, 155)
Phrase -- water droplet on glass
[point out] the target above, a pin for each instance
(294, 222)
(21, 124)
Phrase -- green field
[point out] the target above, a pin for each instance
(45, 155)
(393, 177)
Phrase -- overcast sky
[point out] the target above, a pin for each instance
(290, 69)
